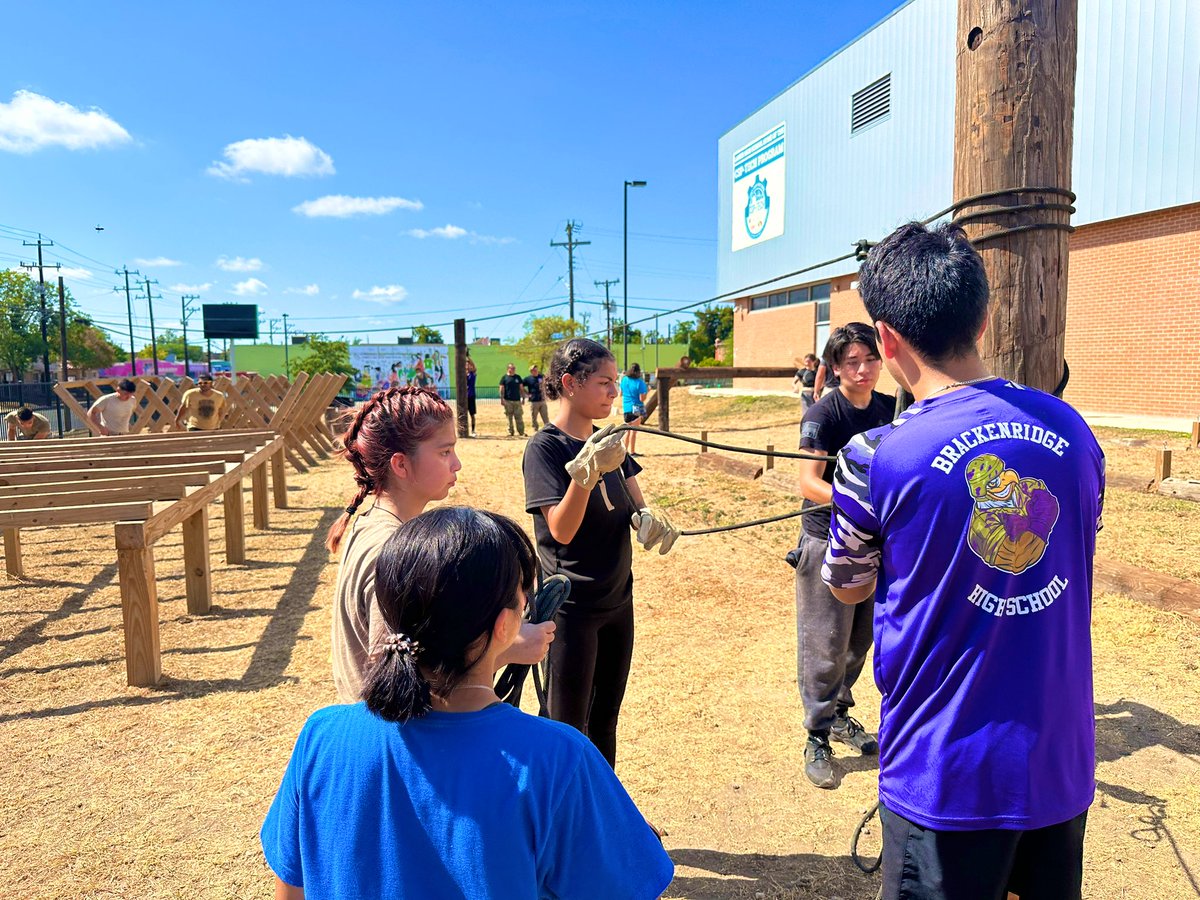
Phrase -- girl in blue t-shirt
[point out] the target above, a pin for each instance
(434, 788)
(633, 403)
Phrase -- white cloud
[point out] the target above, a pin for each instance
(68, 272)
(31, 122)
(239, 264)
(190, 288)
(339, 206)
(156, 262)
(249, 287)
(454, 232)
(393, 293)
(287, 156)
(309, 290)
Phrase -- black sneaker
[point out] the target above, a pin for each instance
(818, 762)
(849, 730)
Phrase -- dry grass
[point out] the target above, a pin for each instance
(113, 792)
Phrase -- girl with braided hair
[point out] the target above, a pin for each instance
(434, 788)
(401, 444)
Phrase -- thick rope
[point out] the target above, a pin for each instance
(782, 454)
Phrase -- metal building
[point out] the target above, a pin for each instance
(864, 142)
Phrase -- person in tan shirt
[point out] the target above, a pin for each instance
(401, 445)
(202, 406)
(26, 425)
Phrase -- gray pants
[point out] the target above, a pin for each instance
(538, 408)
(832, 640)
(512, 410)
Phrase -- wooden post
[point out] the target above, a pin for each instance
(197, 573)
(12, 552)
(664, 403)
(279, 479)
(460, 375)
(259, 495)
(703, 437)
(1014, 113)
(1195, 444)
(770, 463)
(1162, 465)
(235, 525)
(139, 605)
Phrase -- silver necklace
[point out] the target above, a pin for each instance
(954, 384)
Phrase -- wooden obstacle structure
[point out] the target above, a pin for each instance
(147, 482)
(668, 377)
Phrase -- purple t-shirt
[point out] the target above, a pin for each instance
(977, 511)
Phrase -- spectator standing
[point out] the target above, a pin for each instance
(26, 425)
(535, 388)
(512, 395)
(806, 377)
(976, 514)
(112, 412)
(826, 377)
(633, 403)
(471, 375)
(202, 407)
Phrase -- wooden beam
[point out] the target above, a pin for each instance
(1179, 488)
(260, 496)
(717, 373)
(664, 401)
(235, 524)
(69, 449)
(95, 493)
(279, 479)
(128, 462)
(703, 437)
(12, 553)
(197, 573)
(739, 468)
(99, 476)
(1013, 126)
(770, 463)
(1195, 441)
(76, 515)
(1162, 591)
(139, 605)
(1162, 465)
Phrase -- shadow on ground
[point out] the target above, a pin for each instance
(726, 876)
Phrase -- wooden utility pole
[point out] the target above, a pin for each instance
(570, 243)
(1013, 118)
(460, 375)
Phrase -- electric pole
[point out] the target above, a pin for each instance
(39, 243)
(271, 327)
(287, 369)
(570, 243)
(124, 270)
(187, 312)
(607, 306)
(153, 338)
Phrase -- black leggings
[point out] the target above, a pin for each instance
(589, 667)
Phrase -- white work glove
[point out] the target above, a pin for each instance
(653, 527)
(602, 453)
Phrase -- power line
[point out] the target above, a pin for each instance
(570, 243)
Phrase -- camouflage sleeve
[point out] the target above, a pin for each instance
(852, 558)
(1100, 499)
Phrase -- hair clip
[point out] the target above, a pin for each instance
(401, 643)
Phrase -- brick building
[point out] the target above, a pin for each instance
(864, 142)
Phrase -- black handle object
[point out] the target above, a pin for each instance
(545, 604)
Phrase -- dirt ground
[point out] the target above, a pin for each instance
(110, 791)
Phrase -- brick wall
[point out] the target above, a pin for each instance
(1133, 314)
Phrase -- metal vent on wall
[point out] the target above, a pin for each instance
(872, 104)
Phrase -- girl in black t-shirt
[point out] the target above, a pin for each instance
(581, 518)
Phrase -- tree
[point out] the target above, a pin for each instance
(20, 322)
(89, 348)
(323, 355)
(170, 343)
(618, 333)
(683, 332)
(542, 335)
(423, 334)
(713, 323)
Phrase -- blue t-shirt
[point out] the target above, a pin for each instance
(471, 383)
(977, 510)
(491, 804)
(631, 392)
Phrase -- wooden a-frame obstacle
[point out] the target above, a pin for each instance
(149, 481)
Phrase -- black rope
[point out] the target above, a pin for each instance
(754, 451)
(867, 868)
(1008, 210)
(1035, 226)
(767, 521)
(545, 604)
(991, 195)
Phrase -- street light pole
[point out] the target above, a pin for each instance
(625, 266)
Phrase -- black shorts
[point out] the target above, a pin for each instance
(471, 405)
(632, 416)
(921, 864)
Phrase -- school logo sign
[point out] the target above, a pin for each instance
(1012, 518)
(759, 188)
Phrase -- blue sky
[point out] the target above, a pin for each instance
(369, 166)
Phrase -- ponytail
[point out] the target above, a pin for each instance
(394, 688)
(396, 420)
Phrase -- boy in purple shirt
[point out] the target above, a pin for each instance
(973, 519)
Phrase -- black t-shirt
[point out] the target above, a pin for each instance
(808, 377)
(827, 427)
(831, 378)
(510, 387)
(599, 559)
(534, 386)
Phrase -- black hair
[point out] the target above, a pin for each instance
(812, 356)
(930, 286)
(127, 385)
(441, 581)
(579, 358)
(24, 414)
(204, 376)
(634, 371)
(842, 337)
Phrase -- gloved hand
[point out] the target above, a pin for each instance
(653, 527)
(602, 453)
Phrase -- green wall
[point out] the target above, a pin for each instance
(491, 360)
